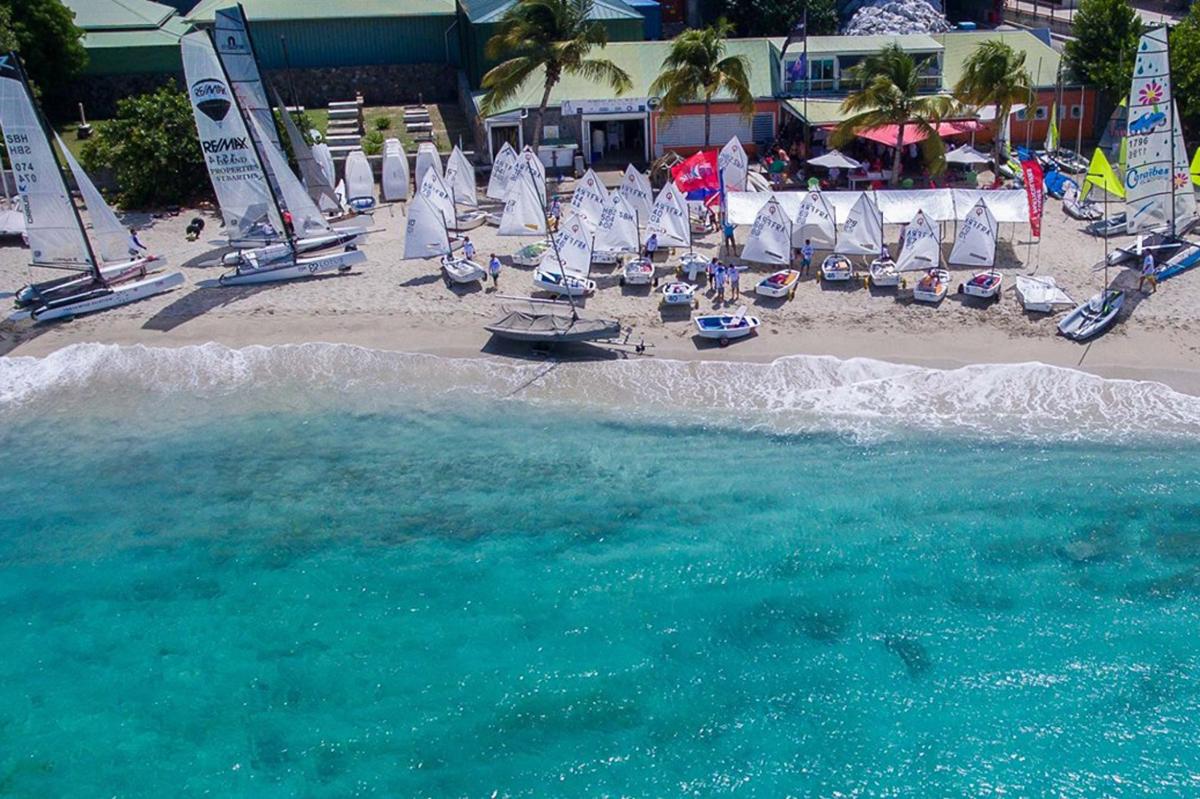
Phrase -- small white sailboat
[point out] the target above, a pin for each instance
(770, 242)
(922, 251)
(566, 265)
(733, 165)
(677, 292)
(975, 245)
(427, 158)
(460, 177)
(1041, 294)
(103, 273)
(394, 177)
(504, 167)
(525, 208)
(836, 268)
(860, 234)
(360, 182)
(724, 328)
(427, 234)
(616, 236)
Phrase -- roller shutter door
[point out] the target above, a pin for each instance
(688, 130)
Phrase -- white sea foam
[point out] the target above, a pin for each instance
(862, 397)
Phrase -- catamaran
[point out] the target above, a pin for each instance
(427, 232)
(104, 274)
(249, 202)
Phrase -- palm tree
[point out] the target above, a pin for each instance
(554, 36)
(994, 74)
(890, 95)
(696, 67)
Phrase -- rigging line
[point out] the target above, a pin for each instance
(550, 368)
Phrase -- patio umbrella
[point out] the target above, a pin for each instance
(833, 159)
(966, 155)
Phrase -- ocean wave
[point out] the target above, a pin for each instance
(796, 394)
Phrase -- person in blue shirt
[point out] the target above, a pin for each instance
(494, 271)
(651, 246)
(730, 244)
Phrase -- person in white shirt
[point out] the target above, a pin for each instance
(651, 246)
(468, 248)
(806, 256)
(1148, 269)
(136, 248)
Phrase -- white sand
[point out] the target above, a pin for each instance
(403, 305)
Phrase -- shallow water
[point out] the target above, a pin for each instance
(286, 584)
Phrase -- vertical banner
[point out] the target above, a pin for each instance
(1035, 190)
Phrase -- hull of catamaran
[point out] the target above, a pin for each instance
(279, 251)
(41, 293)
(102, 298)
(292, 268)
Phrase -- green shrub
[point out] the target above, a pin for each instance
(372, 143)
(382, 122)
(152, 147)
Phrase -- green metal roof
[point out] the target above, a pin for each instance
(479, 11)
(819, 111)
(862, 45)
(643, 62)
(277, 10)
(1040, 59)
(98, 15)
(168, 33)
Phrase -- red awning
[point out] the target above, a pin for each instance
(914, 135)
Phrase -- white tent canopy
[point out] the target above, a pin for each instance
(834, 159)
(897, 207)
(966, 155)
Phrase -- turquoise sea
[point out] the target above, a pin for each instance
(325, 572)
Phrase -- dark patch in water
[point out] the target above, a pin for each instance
(269, 750)
(1019, 551)
(1169, 587)
(778, 619)
(1094, 546)
(910, 651)
(331, 761)
(1181, 545)
(980, 595)
(547, 714)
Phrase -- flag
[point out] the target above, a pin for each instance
(1196, 168)
(1052, 129)
(1031, 175)
(799, 33)
(697, 176)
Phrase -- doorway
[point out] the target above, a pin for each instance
(500, 134)
(617, 141)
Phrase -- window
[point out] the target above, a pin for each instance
(1076, 112)
(1022, 115)
(1041, 112)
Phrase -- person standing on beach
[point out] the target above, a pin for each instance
(806, 256)
(468, 248)
(735, 291)
(711, 271)
(494, 270)
(1148, 273)
(720, 282)
(555, 210)
(651, 246)
(730, 244)
(136, 248)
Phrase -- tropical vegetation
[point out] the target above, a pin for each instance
(775, 17)
(697, 69)
(45, 34)
(890, 94)
(550, 38)
(1104, 46)
(1185, 70)
(995, 75)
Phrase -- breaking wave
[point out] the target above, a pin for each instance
(798, 394)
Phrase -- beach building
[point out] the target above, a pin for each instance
(586, 117)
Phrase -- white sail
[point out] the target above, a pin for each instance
(862, 231)
(460, 177)
(237, 55)
(435, 191)
(425, 232)
(617, 228)
(524, 212)
(1149, 169)
(110, 239)
(530, 163)
(307, 219)
(55, 237)
(316, 181)
(394, 169)
(770, 239)
(571, 253)
(324, 159)
(975, 244)
(921, 247)
(588, 198)
(503, 166)
(360, 180)
(815, 222)
(427, 159)
(635, 188)
(669, 218)
(1185, 195)
(733, 165)
(238, 179)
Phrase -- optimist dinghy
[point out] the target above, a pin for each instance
(637, 272)
(1094, 316)
(1041, 294)
(726, 327)
(884, 273)
(985, 285)
(932, 287)
(562, 285)
(779, 284)
(837, 268)
(679, 293)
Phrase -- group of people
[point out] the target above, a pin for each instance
(719, 275)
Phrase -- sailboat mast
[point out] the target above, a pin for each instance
(93, 261)
(1171, 111)
(553, 241)
(254, 143)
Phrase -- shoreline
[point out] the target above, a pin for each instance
(1135, 356)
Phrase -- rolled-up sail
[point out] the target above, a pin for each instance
(55, 236)
(243, 194)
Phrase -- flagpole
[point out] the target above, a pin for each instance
(807, 71)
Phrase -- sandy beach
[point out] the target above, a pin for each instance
(393, 304)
